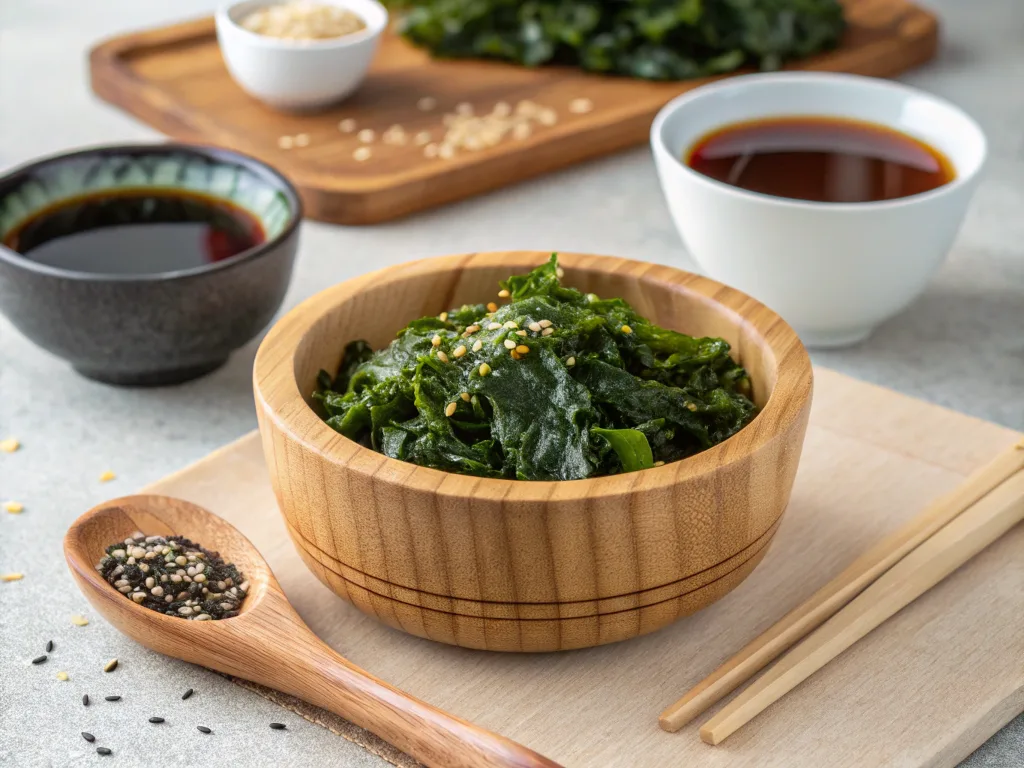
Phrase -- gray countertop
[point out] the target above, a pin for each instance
(960, 345)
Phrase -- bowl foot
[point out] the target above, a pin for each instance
(160, 378)
(834, 339)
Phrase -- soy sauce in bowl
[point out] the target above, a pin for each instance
(820, 159)
(136, 232)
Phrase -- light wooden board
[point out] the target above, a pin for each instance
(175, 80)
(925, 689)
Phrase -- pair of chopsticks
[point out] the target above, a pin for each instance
(891, 575)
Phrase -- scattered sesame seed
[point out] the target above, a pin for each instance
(465, 396)
(493, 326)
(509, 344)
(511, 324)
(278, 726)
(473, 329)
(436, 341)
(40, 659)
(103, 751)
(570, 362)
(520, 333)
(430, 151)
(560, 273)
(547, 117)
(362, 154)
(156, 720)
(186, 694)
(492, 307)
(515, 355)
(285, 142)
(12, 577)
(421, 139)
(110, 666)
(85, 699)
(426, 104)
(484, 369)
(446, 152)
(659, 463)
(367, 136)
(14, 507)
(627, 330)
(545, 323)
(302, 140)
(460, 350)
(477, 345)
(522, 349)
(443, 317)
(691, 406)
(442, 356)
(107, 476)
(49, 645)
(79, 621)
(547, 331)
(348, 125)
(535, 327)
(203, 729)
(522, 131)
(88, 737)
(581, 106)
(111, 698)
(464, 108)
(62, 676)
(450, 409)
(503, 294)
(10, 445)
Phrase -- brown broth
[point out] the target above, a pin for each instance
(822, 159)
(136, 232)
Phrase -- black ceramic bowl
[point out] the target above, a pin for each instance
(158, 327)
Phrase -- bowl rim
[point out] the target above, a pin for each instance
(659, 144)
(260, 168)
(279, 399)
(223, 15)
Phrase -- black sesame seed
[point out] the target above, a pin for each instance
(49, 646)
(103, 751)
(85, 699)
(203, 729)
(156, 719)
(186, 694)
(40, 659)
(112, 698)
(88, 737)
(278, 726)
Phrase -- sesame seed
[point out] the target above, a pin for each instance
(278, 726)
(627, 330)
(79, 621)
(10, 445)
(436, 341)
(511, 324)
(535, 327)
(460, 350)
(88, 737)
(570, 362)
(348, 125)
(110, 666)
(362, 154)
(545, 323)
(187, 694)
(430, 151)
(547, 331)
(426, 104)
(464, 108)
(367, 136)
(203, 729)
(502, 109)
(659, 463)
(520, 333)
(156, 720)
(49, 646)
(85, 699)
(112, 698)
(503, 294)
(107, 476)
(14, 507)
(40, 659)
(522, 349)
(493, 326)
(477, 345)
(302, 140)
(442, 356)
(103, 751)
(522, 131)
(509, 344)
(12, 577)
(465, 396)
(515, 355)
(443, 317)
(63, 677)
(484, 369)
(560, 273)
(581, 106)
(691, 406)
(473, 329)
(492, 307)
(450, 409)
(285, 142)
(547, 117)
(421, 139)
(446, 152)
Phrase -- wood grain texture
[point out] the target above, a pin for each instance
(267, 642)
(528, 566)
(175, 80)
(921, 691)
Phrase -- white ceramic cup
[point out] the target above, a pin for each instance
(298, 74)
(834, 271)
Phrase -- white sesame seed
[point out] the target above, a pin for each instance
(547, 331)
(627, 330)
(522, 131)
(511, 324)
(478, 345)
(430, 151)
(473, 328)
(581, 106)
(570, 362)
(547, 117)
(545, 323)
(427, 104)
(443, 317)
(465, 396)
(464, 108)
(450, 409)
(492, 307)
(520, 333)
(535, 327)
(285, 142)
(422, 138)
(522, 349)
(348, 125)
(484, 369)
(460, 350)
(436, 341)
(509, 344)
(446, 152)
(442, 357)
(302, 140)
(503, 293)
(367, 136)
(493, 326)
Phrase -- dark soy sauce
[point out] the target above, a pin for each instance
(823, 159)
(136, 232)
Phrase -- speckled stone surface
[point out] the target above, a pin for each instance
(961, 345)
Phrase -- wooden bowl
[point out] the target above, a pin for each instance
(512, 565)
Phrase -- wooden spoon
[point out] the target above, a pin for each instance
(267, 642)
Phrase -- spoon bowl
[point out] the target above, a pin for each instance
(267, 642)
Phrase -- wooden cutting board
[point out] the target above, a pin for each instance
(174, 79)
(925, 689)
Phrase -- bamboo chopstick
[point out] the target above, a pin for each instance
(948, 549)
(824, 603)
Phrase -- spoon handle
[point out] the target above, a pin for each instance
(297, 662)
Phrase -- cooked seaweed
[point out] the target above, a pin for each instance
(553, 385)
